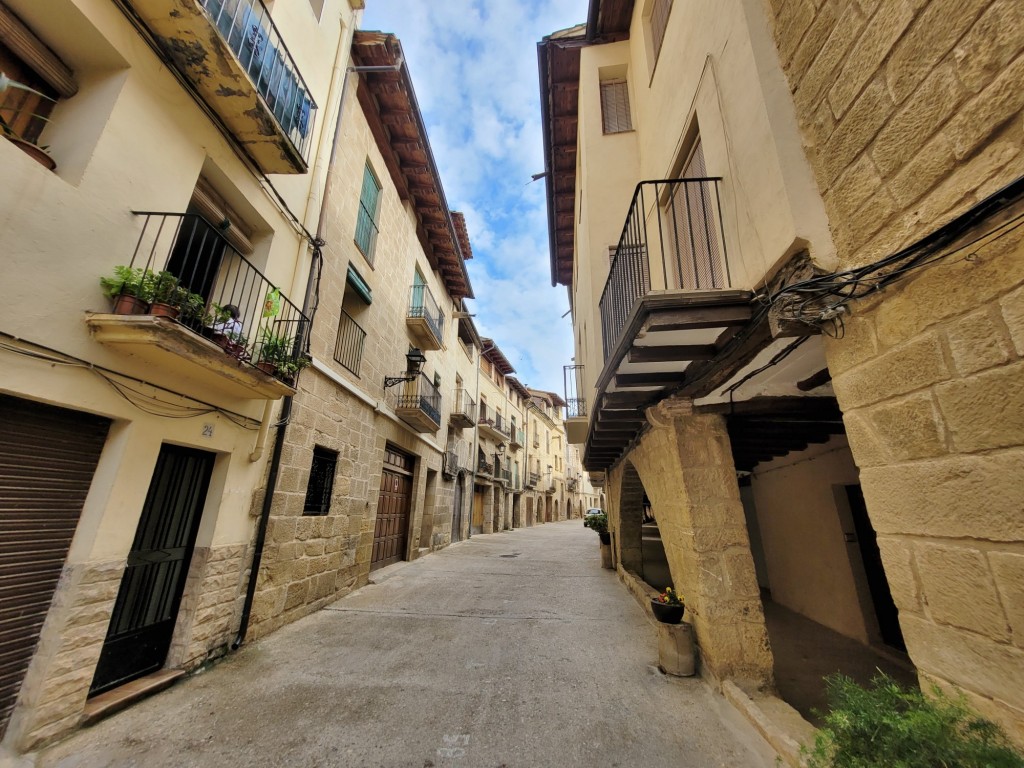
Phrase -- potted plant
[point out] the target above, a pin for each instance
(168, 296)
(599, 524)
(194, 314)
(30, 148)
(276, 351)
(289, 369)
(668, 607)
(130, 288)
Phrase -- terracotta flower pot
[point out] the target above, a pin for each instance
(126, 304)
(163, 310)
(667, 614)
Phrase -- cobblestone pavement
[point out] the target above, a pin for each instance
(510, 650)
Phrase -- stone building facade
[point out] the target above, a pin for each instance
(911, 116)
(113, 423)
(787, 233)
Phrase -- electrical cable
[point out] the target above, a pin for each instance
(143, 401)
(821, 301)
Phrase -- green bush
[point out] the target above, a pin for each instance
(597, 523)
(887, 726)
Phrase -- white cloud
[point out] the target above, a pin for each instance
(474, 67)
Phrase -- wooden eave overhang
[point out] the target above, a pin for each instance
(517, 385)
(558, 59)
(497, 357)
(392, 112)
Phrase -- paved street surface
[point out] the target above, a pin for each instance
(511, 650)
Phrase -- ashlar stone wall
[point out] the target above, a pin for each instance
(911, 113)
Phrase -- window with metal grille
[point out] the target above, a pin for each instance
(659, 20)
(369, 208)
(348, 349)
(615, 117)
(321, 482)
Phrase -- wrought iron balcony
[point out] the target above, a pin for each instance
(425, 318)
(348, 349)
(672, 239)
(484, 468)
(418, 404)
(491, 424)
(506, 476)
(670, 317)
(232, 53)
(463, 413)
(188, 292)
(516, 438)
(576, 421)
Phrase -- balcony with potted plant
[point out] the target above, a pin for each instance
(190, 303)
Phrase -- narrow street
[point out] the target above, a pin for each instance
(508, 650)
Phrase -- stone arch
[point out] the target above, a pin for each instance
(629, 526)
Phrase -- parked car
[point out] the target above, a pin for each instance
(591, 512)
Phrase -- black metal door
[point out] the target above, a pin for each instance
(141, 626)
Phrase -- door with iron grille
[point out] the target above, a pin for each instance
(391, 529)
(146, 609)
(48, 457)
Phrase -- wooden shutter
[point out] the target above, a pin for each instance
(615, 106)
(34, 52)
(212, 207)
(659, 20)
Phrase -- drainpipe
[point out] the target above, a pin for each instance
(286, 409)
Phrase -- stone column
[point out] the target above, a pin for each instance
(686, 467)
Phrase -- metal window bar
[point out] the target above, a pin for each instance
(186, 258)
(251, 34)
(348, 349)
(674, 229)
(464, 404)
(423, 394)
(575, 406)
(422, 304)
(320, 486)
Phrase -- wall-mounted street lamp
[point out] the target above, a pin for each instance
(500, 450)
(414, 364)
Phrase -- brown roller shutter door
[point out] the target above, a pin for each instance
(48, 457)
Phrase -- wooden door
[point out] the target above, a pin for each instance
(478, 511)
(391, 529)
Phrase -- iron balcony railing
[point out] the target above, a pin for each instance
(422, 394)
(184, 266)
(251, 34)
(484, 468)
(506, 476)
(501, 425)
(348, 349)
(423, 304)
(463, 404)
(572, 378)
(518, 440)
(672, 239)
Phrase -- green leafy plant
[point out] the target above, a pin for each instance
(888, 726)
(166, 290)
(596, 523)
(276, 348)
(131, 281)
(670, 597)
(194, 312)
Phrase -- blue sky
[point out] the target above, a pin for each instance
(474, 67)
